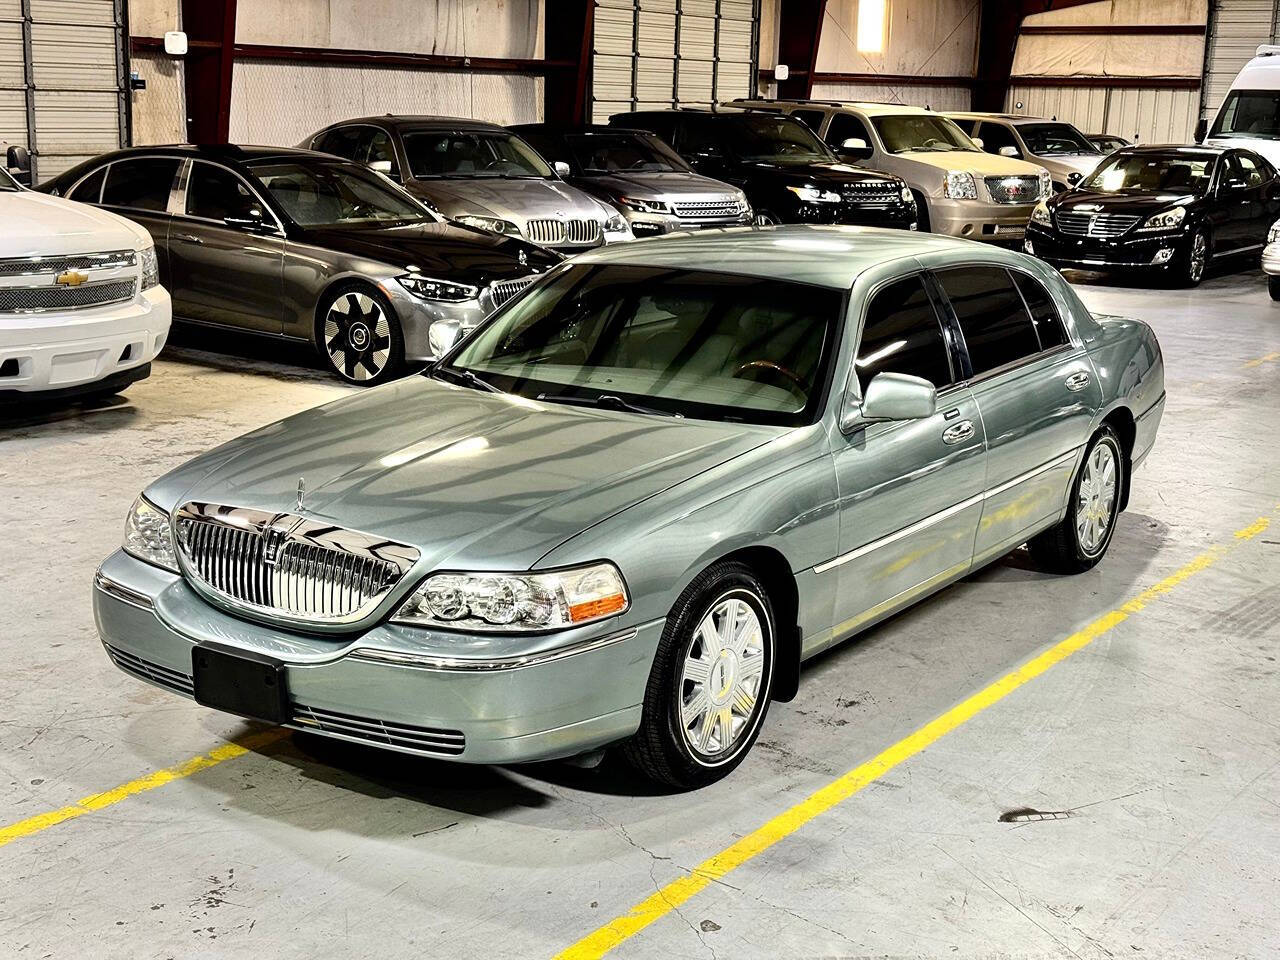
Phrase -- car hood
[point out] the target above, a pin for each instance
(827, 173)
(36, 224)
(472, 479)
(656, 186)
(456, 253)
(514, 200)
(1082, 163)
(980, 164)
(1088, 201)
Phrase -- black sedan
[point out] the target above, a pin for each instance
(1171, 210)
(787, 173)
(305, 246)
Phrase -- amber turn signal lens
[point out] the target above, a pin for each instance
(592, 609)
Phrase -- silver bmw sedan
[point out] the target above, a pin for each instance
(626, 507)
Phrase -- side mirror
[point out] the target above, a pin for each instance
(893, 396)
(1073, 179)
(17, 158)
(1202, 130)
(1008, 151)
(855, 148)
(1231, 186)
(561, 168)
(977, 142)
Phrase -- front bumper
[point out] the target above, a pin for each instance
(400, 688)
(656, 224)
(979, 219)
(65, 352)
(1271, 259)
(1141, 251)
(417, 315)
(902, 216)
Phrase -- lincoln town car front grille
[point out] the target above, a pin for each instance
(384, 732)
(1104, 225)
(1014, 189)
(285, 567)
(553, 232)
(707, 209)
(25, 299)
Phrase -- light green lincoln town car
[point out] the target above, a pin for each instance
(628, 506)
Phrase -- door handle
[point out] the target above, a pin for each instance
(961, 431)
(189, 237)
(1077, 381)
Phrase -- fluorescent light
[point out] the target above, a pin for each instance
(871, 22)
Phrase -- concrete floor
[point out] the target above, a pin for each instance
(1160, 740)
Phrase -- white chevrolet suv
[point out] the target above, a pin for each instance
(81, 306)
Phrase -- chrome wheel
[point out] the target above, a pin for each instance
(1199, 258)
(357, 336)
(765, 219)
(720, 684)
(1096, 497)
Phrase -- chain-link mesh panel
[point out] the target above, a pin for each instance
(159, 111)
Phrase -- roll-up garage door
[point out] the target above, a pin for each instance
(655, 54)
(62, 80)
(1236, 28)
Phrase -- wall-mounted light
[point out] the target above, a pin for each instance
(872, 20)
(175, 43)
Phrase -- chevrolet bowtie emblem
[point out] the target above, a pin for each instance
(71, 278)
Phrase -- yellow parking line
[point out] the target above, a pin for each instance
(1259, 361)
(157, 778)
(678, 891)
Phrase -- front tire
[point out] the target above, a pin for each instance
(1082, 538)
(359, 336)
(1273, 287)
(766, 218)
(708, 690)
(1195, 260)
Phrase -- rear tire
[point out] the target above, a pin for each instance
(709, 686)
(1273, 287)
(359, 336)
(1083, 536)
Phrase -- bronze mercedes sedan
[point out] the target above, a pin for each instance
(628, 506)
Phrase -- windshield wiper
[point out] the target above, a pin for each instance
(606, 401)
(467, 377)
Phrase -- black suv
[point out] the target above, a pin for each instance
(788, 174)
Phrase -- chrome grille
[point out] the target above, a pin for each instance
(582, 231)
(147, 670)
(373, 730)
(1014, 189)
(1102, 225)
(286, 567)
(545, 231)
(708, 209)
(35, 266)
(55, 297)
(502, 291)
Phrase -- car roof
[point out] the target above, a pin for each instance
(216, 151)
(828, 256)
(1013, 118)
(1179, 148)
(560, 130)
(422, 121)
(870, 107)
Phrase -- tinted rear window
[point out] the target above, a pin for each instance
(1043, 312)
(996, 326)
(140, 184)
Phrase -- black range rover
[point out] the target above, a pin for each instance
(787, 173)
(1171, 210)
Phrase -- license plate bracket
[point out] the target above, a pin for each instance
(242, 682)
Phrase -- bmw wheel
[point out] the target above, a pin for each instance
(708, 691)
(360, 336)
(1082, 537)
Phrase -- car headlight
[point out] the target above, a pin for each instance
(490, 225)
(961, 185)
(517, 601)
(148, 536)
(429, 288)
(905, 193)
(150, 267)
(1041, 214)
(1166, 220)
(616, 224)
(1274, 233)
(815, 194)
(644, 206)
(1046, 185)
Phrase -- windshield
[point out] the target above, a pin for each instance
(911, 133)
(676, 342)
(1249, 113)
(762, 136)
(472, 154)
(1151, 173)
(319, 193)
(602, 153)
(1054, 139)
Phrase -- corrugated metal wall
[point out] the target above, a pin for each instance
(61, 80)
(939, 97)
(1236, 27)
(662, 53)
(1150, 115)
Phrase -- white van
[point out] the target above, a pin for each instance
(1250, 113)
